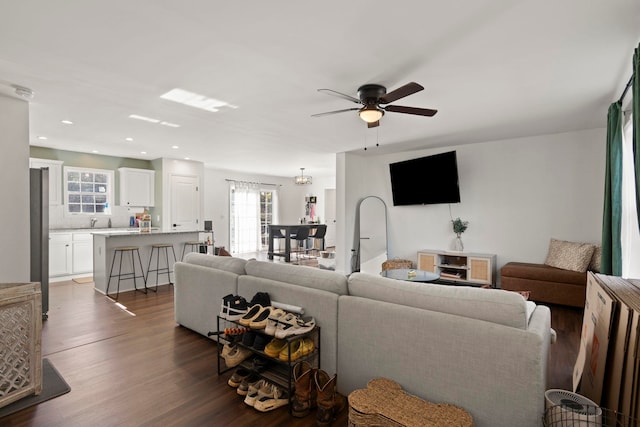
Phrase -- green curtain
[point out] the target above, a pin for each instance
(611, 262)
(635, 90)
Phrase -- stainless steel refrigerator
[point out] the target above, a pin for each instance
(39, 179)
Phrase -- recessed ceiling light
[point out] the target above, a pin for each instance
(128, 139)
(66, 122)
(143, 118)
(187, 158)
(175, 147)
(195, 100)
(143, 152)
(171, 125)
(42, 137)
(95, 151)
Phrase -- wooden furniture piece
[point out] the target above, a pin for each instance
(384, 403)
(20, 348)
(460, 267)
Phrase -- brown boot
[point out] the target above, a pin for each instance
(305, 398)
(330, 403)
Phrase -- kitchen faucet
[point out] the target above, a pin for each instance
(93, 222)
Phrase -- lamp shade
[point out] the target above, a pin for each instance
(371, 113)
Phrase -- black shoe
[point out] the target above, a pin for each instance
(259, 364)
(261, 341)
(237, 308)
(261, 298)
(224, 309)
(248, 338)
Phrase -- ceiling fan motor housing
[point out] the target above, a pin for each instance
(370, 94)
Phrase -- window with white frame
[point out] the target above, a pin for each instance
(88, 191)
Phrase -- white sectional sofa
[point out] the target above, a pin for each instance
(485, 350)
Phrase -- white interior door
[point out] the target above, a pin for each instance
(185, 203)
(330, 217)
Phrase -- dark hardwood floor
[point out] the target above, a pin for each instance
(144, 370)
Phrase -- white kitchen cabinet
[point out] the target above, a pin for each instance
(82, 249)
(137, 187)
(60, 254)
(55, 177)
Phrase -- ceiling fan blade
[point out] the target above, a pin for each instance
(340, 95)
(373, 125)
(411, 110)
(401, 92)
(334, 112)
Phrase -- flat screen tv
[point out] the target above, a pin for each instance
(426, 180)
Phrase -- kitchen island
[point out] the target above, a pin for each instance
(104, 243)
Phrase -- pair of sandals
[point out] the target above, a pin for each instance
(256, 317)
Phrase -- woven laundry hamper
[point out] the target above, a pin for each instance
(384, 403)
(395, 264)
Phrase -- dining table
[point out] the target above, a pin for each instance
(285, 231)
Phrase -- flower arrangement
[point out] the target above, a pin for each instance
(459, 226)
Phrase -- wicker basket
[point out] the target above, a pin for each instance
(395, 264)
(384, 403)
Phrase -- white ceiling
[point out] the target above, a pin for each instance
(494, 69)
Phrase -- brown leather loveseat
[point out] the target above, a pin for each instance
(562, 279)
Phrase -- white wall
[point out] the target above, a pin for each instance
(14, 190)
(291, 201)
(516, 195)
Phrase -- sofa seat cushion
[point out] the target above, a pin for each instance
(324, 280)
(232, 265)
(524, 270)
(491, 305)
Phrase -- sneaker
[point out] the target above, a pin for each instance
(243, 388)
(238, 376)
(299, 348)
(274, 348)
(272, 321)
(260, 364)
(253, 391)
(301, 326)
(236, 356)
(226, 300)
(278, 399)
(227, 349)
(253, 312)
(237, 308)
(248, 338)
(261, 341)
(285, 323)
(260, 321)
(261, 298)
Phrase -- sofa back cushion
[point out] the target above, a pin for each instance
(232, 265)
(324, 280)
(491, 305)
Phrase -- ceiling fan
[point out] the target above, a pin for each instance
(373, 97)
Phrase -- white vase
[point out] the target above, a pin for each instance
(457, 245)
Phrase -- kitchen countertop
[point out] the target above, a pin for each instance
(113, 232)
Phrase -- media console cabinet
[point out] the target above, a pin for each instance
(467, 268)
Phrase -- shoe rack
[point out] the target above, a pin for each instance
(278, 371)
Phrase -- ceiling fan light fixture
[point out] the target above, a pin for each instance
(370, 113)
(302, 179)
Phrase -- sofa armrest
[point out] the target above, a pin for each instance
(198, 295)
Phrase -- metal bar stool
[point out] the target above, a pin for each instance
(192, 244)
(164, 270)
(129, 275)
